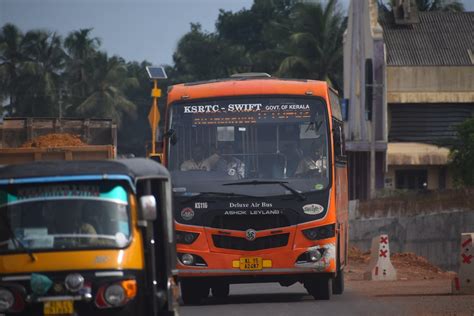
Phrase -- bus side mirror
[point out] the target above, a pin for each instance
(148, 212)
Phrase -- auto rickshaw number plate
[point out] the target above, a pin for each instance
(251, 263)
(58, 308)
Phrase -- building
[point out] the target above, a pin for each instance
(419, 69)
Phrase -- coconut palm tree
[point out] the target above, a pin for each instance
(81, 48)
(107, 82)
(11, 58)
(41, 70)
(315, 45)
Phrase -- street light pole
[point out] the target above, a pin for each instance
(155, 73)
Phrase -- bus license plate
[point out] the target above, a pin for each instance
(58, 308)
(251, 263)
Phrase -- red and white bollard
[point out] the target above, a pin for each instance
(464, 282)
(380, 267)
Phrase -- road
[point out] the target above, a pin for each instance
(426, 297)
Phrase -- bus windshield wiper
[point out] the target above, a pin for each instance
(260, 182)
(17, 242)
(224, 194)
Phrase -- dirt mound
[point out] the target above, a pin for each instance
(357, 255)
(414, 265)
(55, 140)
(409, 266)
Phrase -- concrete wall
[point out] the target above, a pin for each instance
(435, 236)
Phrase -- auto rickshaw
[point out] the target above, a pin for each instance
(87, 238)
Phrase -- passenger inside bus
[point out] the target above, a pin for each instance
(228, 163)
(313, 161)
(197, 161)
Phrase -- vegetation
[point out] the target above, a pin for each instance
(462, 154)
(281, 37)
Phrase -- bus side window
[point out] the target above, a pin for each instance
(339, 141)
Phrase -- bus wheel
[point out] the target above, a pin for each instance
(338, 283)
(320, 288)
(220, 290)
(193, 292)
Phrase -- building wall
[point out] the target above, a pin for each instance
(433, 176)
(430, 84)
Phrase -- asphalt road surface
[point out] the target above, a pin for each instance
(428, 297)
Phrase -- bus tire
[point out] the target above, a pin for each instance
(338, 281)
(221, 290)
(193, 292)
(319, 288)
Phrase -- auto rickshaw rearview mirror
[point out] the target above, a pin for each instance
(147, 208)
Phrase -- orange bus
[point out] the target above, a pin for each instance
(259, 178)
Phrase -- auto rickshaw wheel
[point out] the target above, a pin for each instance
(193, 292)
(220, 290)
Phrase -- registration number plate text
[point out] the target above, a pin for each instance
(251, 264)
(58, 308)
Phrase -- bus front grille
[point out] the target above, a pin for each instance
(257, 222)
(239, 243)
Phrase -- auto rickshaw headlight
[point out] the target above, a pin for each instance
(114, 295)
(7, 300)
(74, 282)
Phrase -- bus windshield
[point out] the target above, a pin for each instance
(63, 217)
(223, 141)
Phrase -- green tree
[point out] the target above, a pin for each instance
(462, 154)
(43, 64)
(106, 98)
(315, 45)
(201, 56)
(81, 48)
(11, 59)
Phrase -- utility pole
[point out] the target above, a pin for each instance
(373, 126)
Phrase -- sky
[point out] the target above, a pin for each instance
(133, 29)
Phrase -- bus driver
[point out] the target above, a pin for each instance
(313, 160)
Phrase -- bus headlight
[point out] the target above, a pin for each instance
(187, 259)
(186, 238)
(314, 255)
(7, 300)
(321, 232)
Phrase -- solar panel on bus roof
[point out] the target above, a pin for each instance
(156, 72)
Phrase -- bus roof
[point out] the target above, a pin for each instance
(246, 86)
(135, 169)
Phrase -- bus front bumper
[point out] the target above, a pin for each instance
(315, 259)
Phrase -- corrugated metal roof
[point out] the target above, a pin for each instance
(440, 39)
